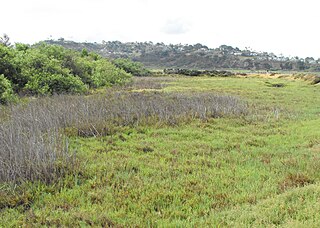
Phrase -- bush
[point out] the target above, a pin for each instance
(131, 67)
(81, 67)
(6, 92)
(47, 75)
(8, 66)
(47, 69)
(107, 74)
(55, 84)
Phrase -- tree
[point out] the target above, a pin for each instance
(5, 40)
(309, 60)
(301, 65)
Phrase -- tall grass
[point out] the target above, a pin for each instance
(149, 83)
(33, 144)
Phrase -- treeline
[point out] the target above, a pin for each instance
(198, 56)
(188, 72)
(44, 69)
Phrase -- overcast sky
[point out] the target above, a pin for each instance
(288, 27)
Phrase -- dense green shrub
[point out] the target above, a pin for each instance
(6, 92)
(8, 66)
(131, 67)
(48, 69)
(55, 84)
(45, 73)
(105, 73)
(81, 67)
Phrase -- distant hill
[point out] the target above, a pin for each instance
(198, 56)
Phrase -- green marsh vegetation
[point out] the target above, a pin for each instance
(166, 151)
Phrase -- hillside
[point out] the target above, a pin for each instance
(198, 56)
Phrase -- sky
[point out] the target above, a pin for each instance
(288, 27)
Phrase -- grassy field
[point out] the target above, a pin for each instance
(257, 169)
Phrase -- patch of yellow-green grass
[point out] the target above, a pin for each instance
(299, 207)
(296, 97)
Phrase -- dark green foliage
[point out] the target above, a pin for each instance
(6, 92)
(8, 66)
(187, 72)
(80, 67)
(131, 67)
(84, 52)
(47, 69)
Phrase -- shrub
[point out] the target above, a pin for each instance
(46, 74)
(47, 69)
(53, 69)
(81, 67)
(9, 68)
(105, 73)
(131, 67)
(6, 92)
(55, 84)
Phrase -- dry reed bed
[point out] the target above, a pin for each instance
(150, 83)
(33, 145)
